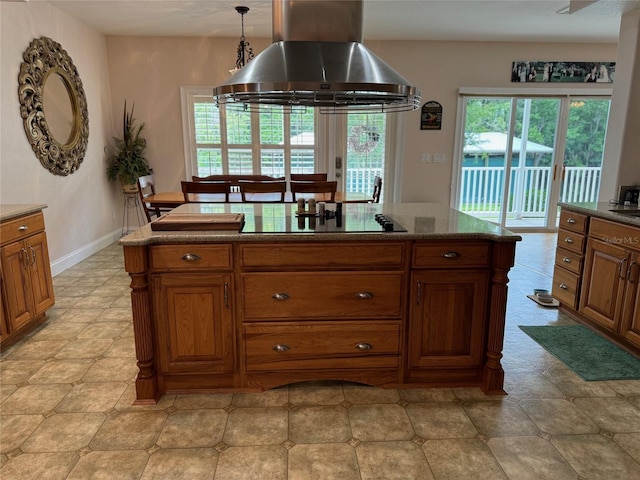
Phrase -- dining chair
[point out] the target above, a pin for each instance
(147, 188)
(377, 188)
(309, 177)
(206, 192)
(262, 191)
(326, 187)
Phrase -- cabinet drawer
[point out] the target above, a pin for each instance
(191, 257)
(571, 241)
(570, 260)
(322, 345)
(325, 255)
(575, 222)
(450, 254)
(22, 227)
(275, 296)
(615, 233)
(565, 287)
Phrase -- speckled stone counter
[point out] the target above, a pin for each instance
(289, 298)
(607, 211)
(421, 221)
(9, 211)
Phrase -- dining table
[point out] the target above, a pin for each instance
(175, 199)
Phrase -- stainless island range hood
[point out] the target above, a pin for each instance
(317, 60)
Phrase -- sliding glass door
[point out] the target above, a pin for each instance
(520, 156)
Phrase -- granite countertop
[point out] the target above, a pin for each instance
(607, 211)
(420, 220)
(9, 210)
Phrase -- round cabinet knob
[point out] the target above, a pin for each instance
(571, 220)
(364, 295)
(280, 296)
(281, 347)
(190, 257)
(566, 260)
(568, 240)
(364, 346)
(563, 286)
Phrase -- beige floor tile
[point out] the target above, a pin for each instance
(596, 457)
(572, 385)
(530, 458)
(116, 315)
(122, 348)
(59, 331)
(84, 348)
(193, 429)
(39, 466)
(121, 465)
(31, 399)
(322, 462)
(16, 429)
(36, 350)
(64, 432)
(257, 426)
(630, 442)
(112, 370)
(254, 463)
(271, 398)
(319, 424)
(17, 371)
(440, 420)
(184, 463)
(465, 458)
(93, 301)
(629, 388)
(500, 419)
(104, 330)
(427, 395)
(316, 393)
(61, 371)
(530, 385)
(129, 430)
(92, 397)
(194, 402)
(612, 414)
(556, 417)
(126, 402)
(360, 394)
(6, 391)
(80, 315)
(71, 290)
(386, 422)
(392, 461)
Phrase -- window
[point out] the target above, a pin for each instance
(232, 142)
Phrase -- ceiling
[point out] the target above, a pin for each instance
(593, 21)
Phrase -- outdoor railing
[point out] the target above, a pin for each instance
(482, 189)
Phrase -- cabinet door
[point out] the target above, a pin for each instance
(15, 264)
(448, 311)
(631, 311)
(39, 273)
(603, 283)
(195, 327)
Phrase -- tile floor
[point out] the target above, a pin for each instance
(67, 413)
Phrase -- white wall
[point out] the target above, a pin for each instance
(81, 207)
(151, 70)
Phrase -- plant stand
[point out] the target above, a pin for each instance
(131, 204)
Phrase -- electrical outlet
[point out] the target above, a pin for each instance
(425, 157)
(439, 158)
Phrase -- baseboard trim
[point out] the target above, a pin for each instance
(61, 264)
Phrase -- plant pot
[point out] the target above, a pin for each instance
(130, 188)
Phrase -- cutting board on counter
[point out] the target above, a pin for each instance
(199, 221)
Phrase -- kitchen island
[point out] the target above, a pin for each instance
(293, 298)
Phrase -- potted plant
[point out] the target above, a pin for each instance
(125, 159)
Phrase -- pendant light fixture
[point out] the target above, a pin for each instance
(244, 50)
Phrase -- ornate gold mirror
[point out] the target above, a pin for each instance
(53, 106)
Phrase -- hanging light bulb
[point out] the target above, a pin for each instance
(244, 50)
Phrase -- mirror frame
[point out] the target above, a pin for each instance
(45, 57)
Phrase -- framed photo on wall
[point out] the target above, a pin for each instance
(526, 71)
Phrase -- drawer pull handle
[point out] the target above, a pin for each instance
(364, 346)
(566, 260)
(622, 270)
(563, 286)
(571, 220)
(281, 347)
(280, 296)
(630, 275)
(190, 257)
(25, 258)
(451, 255)
(23, 228)
(364, 295)
(568, 240)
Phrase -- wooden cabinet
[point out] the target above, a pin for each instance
(609, 295)
(567, 273)
(27, 287)
(448, 309)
